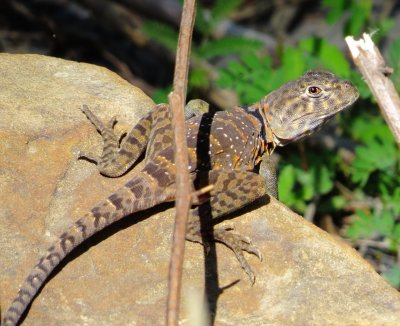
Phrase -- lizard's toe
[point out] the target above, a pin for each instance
(88, 156)
(111, 122)
(238, 244)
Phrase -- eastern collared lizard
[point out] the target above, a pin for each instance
(224, 149)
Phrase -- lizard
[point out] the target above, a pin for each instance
(224, 150)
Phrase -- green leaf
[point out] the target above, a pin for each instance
(361, 85)
(223, 8)
(286, 181)
(198, 78)
(393, 276)
(396, 233)
(254, 63)
(306, 179)
(394, 62)
(228, 45)
(376, 155)
(323, 179)
(237, 69)
(338, 202)
(363, 226)
(367, 128)
(161, 33)
(360, 13)
(328, 55)
(336, 9)
(383, 27)
(225, 79)
(161, 95)
(293, 64)
(308, 191)
(202, 22)
(384, 223)
(249, 77)
(393, 201)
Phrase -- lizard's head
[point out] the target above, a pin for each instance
(299, 107)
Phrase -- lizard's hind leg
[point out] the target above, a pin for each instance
(115, 159)
(232, 190)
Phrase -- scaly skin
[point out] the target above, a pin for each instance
(224, 149)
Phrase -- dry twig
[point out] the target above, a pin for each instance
(372, 66)
(183, 196)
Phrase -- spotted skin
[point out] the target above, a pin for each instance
(224, 150)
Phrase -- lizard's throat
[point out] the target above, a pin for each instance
(260, 111)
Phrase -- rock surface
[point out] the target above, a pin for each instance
(119, 277)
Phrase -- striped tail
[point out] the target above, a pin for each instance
(139, 193)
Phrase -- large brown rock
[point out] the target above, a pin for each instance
(119, 276)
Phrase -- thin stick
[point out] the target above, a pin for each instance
(177, 101)
(372, 66)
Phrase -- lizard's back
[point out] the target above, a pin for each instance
(227, 140)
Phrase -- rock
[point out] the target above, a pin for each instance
(120, 275)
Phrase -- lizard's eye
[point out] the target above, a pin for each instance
(313, 91)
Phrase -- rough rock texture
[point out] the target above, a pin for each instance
(119, 276)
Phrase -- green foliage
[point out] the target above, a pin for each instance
(161, 95)
(250, 77)
(378, 153)
(358, 15)
(226, 46)
(208, 19)
(336, 9)
(376, 172)
(393, 276)
(322, 53)
(302, 185)
(368, 225)
(363, 226)
(394, 62)
(208, 48)
(161, 33)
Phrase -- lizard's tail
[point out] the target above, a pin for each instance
(138, 194)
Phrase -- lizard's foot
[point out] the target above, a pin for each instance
(106, 161)
(238, 244)
(234, 241)
(111, 140)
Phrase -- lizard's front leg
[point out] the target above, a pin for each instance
(268, 171)
(232, 190)
(195, 108)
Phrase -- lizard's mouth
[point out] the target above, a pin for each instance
(316, 118)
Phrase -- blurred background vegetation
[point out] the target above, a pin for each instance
(345, 178)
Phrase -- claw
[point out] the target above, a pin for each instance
(238, 244)
(246, 267)
(235, 242)
(256, 252)
(112, 122)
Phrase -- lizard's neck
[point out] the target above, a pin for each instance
(259, 111)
